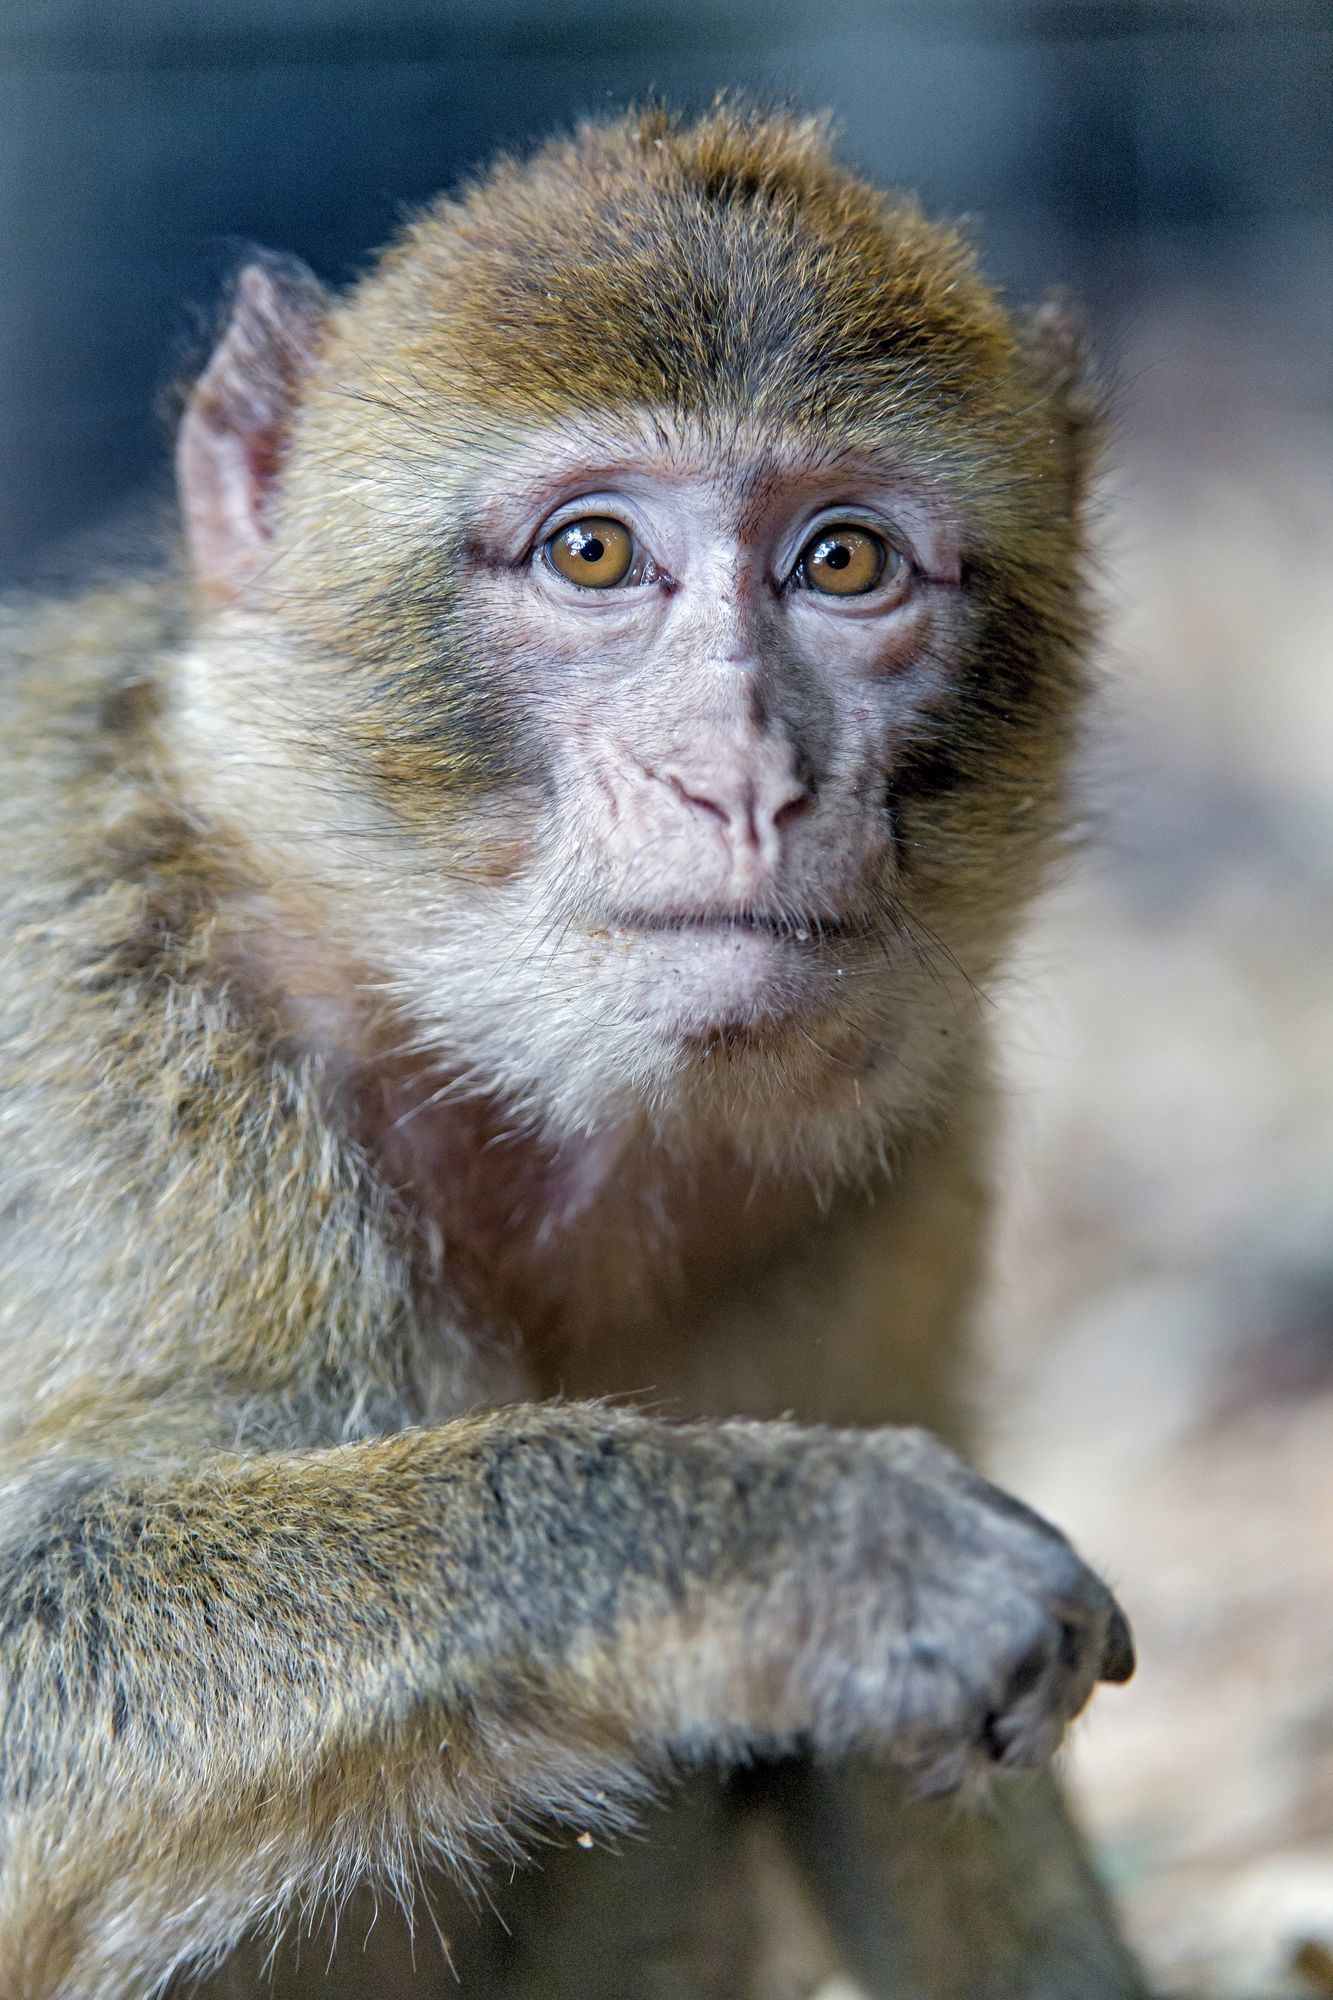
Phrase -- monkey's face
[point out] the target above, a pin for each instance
(714, 653)
(635, 820)
(663, 771)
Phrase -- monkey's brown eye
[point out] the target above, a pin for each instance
(842, 562)
(594, 552)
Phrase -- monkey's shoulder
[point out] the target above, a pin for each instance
(107, 888)
(165, 1166)
(82, 682)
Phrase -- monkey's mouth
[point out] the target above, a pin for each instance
(788, 927)
(751, 973)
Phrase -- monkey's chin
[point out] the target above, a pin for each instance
(705, 983)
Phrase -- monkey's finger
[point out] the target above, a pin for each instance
(1118, 1661)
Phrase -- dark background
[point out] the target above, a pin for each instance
(141, 143)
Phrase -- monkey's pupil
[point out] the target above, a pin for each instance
(837, 555)
(587, 547)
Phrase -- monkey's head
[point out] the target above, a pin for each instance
(640, 624)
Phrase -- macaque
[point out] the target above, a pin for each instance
(497, 1113)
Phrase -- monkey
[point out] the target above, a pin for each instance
(498, 1118)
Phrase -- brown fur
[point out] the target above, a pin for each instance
(309, 1578)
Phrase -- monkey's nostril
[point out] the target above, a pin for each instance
(793, 808)
(689, 798)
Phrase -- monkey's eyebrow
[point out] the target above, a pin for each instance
(758, 486)
(509, 495)
(510, 503)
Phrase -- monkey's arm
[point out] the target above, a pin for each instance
(273, 1676)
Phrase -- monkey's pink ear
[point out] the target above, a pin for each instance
(239, 418)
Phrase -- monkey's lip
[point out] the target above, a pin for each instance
(789, 927)
(696, 973)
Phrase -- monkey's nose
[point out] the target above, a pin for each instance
(752, 812)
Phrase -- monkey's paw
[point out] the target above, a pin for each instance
(969, 1634)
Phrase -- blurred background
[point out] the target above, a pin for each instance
(1161, 1344)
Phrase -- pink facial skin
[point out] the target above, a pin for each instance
(720, 732)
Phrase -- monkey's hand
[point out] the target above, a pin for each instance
(893, 1599)
(273, 1673)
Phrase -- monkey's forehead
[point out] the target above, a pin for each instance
(748, 470)
(727, 265)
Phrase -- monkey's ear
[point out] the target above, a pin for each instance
(238, 420)
(1061, 355)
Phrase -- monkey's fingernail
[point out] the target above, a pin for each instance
(1118, 1652)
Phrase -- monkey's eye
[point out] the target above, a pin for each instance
(594, 552)
(843, 562)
